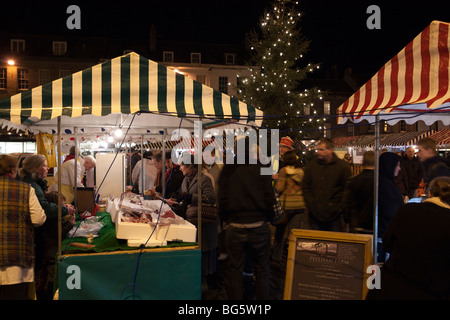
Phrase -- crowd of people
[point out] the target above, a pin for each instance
(30, 225)
(243, 255)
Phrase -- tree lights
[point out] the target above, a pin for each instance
(277, 70)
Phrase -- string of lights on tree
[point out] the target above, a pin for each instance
(277, 69)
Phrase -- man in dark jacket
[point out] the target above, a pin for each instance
(323, 188)
(245, 202)
(358, 197)
(433, 165)
(410, 174)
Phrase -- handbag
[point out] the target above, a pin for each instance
(209, 213)
(279, 216)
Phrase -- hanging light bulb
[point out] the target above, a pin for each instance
(118, 133)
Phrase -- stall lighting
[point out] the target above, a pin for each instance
(118, 133)
(11, 62)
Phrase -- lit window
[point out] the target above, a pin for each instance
(168, 56)
(326, 108)
(403, 126)
(196, 57)
(230, 58)
(22, 79)
(223, 84)
(3, 82)
(59, 48)
(17, 45)
(43, 76)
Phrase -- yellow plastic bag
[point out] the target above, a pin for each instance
(45, 144)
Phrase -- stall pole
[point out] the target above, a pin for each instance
(199, 183)
(58, 156)
(75, 202)
(375, 189)
(163, 170)
(142, 175)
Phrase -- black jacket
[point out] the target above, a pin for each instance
(358, 200)
(434, 167)
(418, 240)
(323, 188)
(244, 195)
(173, 184)
(389, 194)
(410, 175)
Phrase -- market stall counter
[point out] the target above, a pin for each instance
(108, 269)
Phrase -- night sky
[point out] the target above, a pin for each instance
(337, 29)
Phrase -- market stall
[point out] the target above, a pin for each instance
(442, 138)
(144, 100)
(412, 86)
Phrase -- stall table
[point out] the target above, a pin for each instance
(107, 270)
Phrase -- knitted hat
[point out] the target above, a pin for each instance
(287, 142)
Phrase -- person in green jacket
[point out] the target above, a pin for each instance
(34, 171)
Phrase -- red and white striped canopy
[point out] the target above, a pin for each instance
(442, 137)
(412, 86)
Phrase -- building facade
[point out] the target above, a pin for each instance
(29, 60)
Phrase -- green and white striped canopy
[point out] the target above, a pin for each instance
(125, 85)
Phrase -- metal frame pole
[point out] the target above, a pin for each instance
(198, 156)
(375, 189)
(58, 155)
(142, 175)
(163, 169)
(75, 167)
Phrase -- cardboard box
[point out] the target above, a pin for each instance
(139, 233)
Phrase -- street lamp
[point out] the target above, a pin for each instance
(11, 62)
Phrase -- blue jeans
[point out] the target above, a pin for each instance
(253, 243)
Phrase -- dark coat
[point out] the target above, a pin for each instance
(323, 188)
(190, 187)
(358, 200)
(410, 175)
(389, 195)
(51, 209)
(434, 167)
(244, 195)
(189, 193)
(418, 240)
(173, 184)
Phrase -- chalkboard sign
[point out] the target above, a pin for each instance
(326, 265)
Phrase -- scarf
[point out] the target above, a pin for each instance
(438, 201)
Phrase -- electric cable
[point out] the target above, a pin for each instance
(133, 284)
(83, 216)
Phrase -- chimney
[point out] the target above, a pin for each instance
(152, 35)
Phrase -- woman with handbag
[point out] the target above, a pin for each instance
(289, 187)
(189, 197)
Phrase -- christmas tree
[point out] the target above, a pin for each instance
(277, 68)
